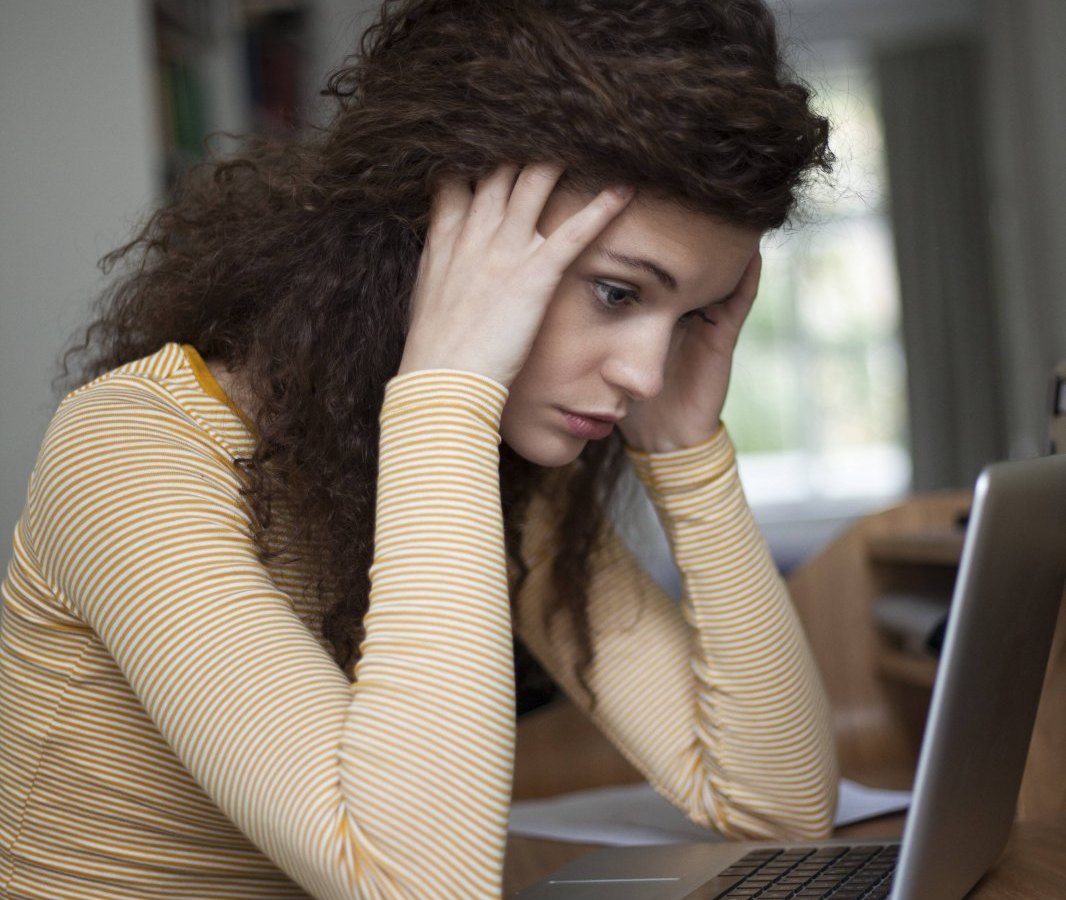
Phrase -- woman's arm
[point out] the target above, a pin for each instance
(396, 786)
(717, 701)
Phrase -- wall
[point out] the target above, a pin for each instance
(336, 29)
(76, 168)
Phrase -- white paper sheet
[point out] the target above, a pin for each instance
(856, 802)
(635, 814)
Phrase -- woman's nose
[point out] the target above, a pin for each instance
(638, 368)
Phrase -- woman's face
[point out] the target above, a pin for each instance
(617, 315)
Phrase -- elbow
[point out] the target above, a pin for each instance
(373, 863)
(813, 822)
(807, 814)
(801, 825)
(347, 862)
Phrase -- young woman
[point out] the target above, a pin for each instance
(356, 407)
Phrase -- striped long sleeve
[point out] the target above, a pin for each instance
(178, 639)
(717, 701)
(172, 727)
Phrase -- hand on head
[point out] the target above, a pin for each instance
(687, 411)
(486, 275)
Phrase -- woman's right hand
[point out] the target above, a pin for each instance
(486, 275)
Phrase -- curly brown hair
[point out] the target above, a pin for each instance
(293, 262)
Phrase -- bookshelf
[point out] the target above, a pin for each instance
(229, 66)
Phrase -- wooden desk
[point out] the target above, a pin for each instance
(1033, 865)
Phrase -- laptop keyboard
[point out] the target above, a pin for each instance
(843, 873)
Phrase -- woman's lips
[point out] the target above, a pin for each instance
(586, 427)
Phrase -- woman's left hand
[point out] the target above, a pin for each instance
(688, 410)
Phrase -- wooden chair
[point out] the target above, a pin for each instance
(880, 696)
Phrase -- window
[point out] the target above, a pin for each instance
(817, 401)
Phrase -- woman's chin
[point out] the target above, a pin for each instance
(551, 452)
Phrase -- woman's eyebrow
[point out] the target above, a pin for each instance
(641, 264)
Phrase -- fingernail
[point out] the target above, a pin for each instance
(624, 191)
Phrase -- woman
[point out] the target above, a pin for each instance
(357, 408)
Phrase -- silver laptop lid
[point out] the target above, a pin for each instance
(1007, 597)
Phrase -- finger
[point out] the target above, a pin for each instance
(491, 196)
(533, 187)
(749, 281)
(572, 237)
(738, 304)
(449, 209)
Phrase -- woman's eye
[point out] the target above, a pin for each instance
(612, 295)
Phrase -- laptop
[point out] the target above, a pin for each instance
(1003, 613)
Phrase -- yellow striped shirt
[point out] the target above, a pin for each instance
(171, 726)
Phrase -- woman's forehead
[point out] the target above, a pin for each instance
(677, 247)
